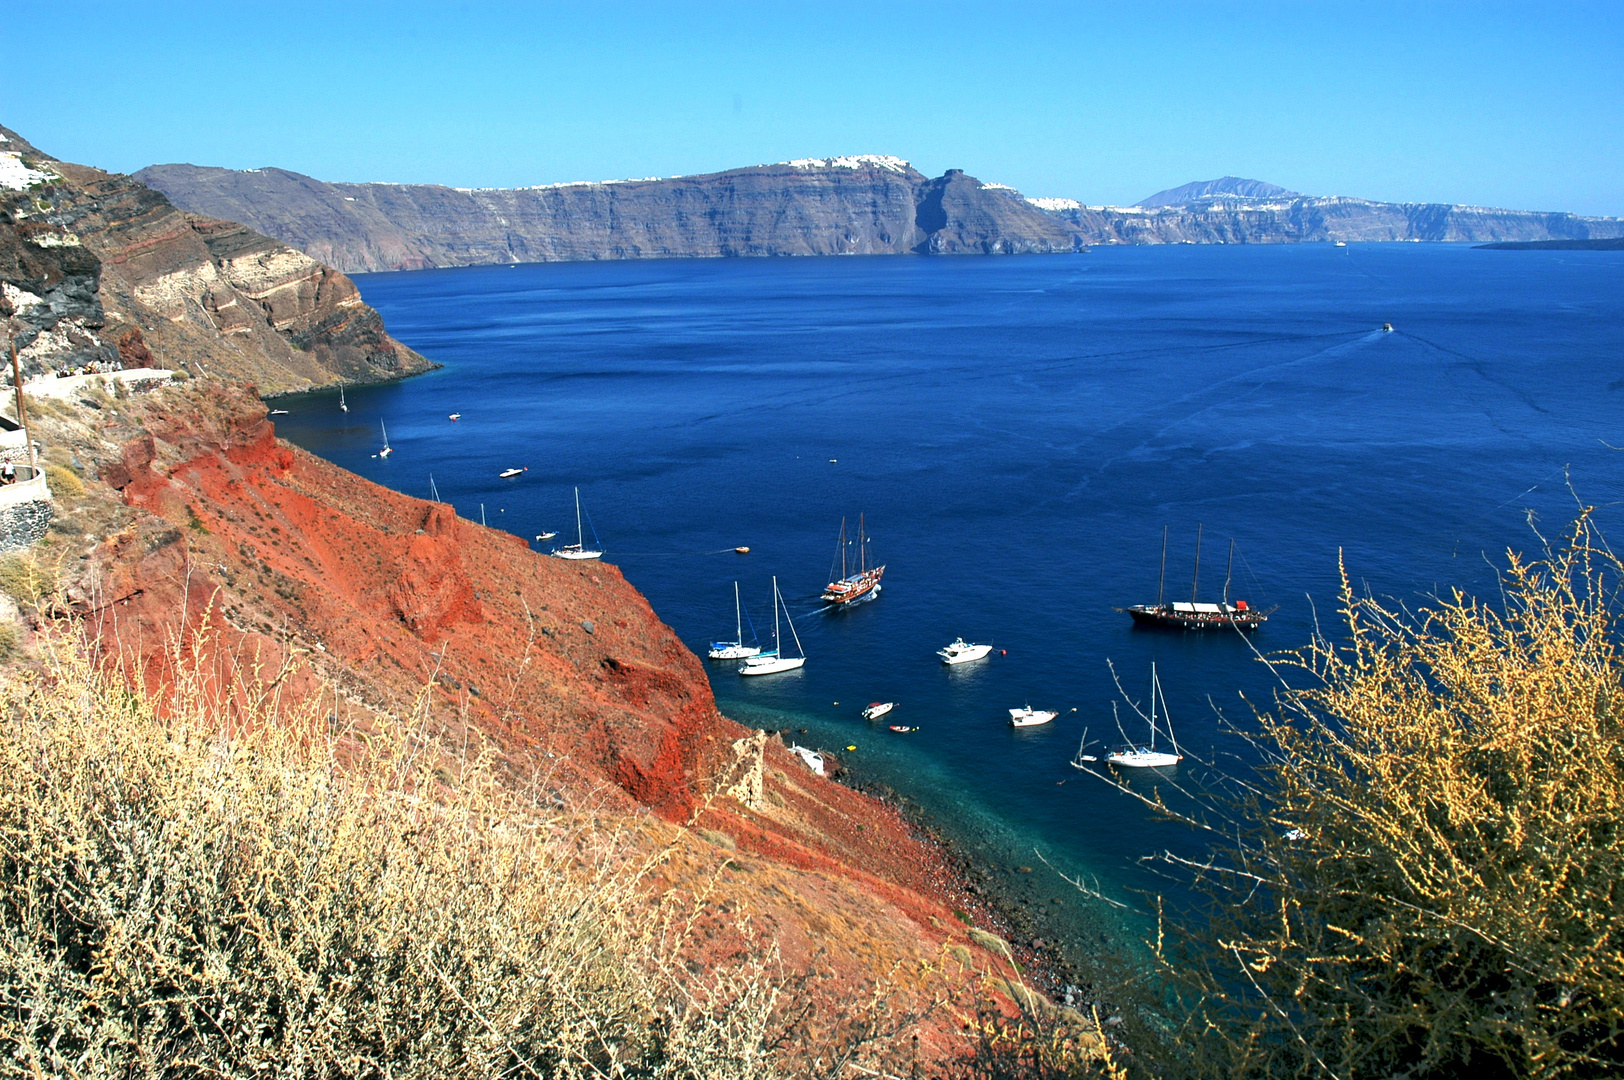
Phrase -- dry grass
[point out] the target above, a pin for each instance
(1428, 881)
(174, 902)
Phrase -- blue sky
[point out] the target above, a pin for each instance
(1517, 105)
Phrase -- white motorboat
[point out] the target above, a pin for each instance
(774, 661)
(508, 473)
(578, 550)
(387, 449)
(813, 759)
(735, 649)
(1026, 716)
(545, 535)
(456, 416)
(1134, 756)
(878, 709)
(962, 652)
(278, 412)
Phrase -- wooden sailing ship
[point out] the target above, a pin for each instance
(1196, 615)
(853, 586)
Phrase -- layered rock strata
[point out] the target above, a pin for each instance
(868, 205)
(99, 267)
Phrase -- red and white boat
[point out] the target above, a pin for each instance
(849, 586)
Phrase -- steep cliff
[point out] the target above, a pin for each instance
(868, 205)
(94, 266)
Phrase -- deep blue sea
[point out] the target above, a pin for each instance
(1017, 432)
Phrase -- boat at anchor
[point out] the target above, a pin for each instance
(578, 550)
(1195, 615)
(735, 649)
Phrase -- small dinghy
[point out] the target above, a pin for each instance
(903, 728)
(509, 473)
(1026, 716)
(878, 709)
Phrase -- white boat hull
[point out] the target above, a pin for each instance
(879, 709)
(1030, 717)
(951, 655)
(568, 554)
(1143, 759)
(758, 665)
(722, 651)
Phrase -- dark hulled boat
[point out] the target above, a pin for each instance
(1194, 615)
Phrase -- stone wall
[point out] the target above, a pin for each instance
(25, 512)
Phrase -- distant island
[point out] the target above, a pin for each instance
(1610, 243)
(860, 205)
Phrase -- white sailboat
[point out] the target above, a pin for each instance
(343, 406)
(1148, 757)
(768, 663)
(962, 652)
(735, 649)
(578, 550)
(387, 449)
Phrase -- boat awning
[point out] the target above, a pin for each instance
(1201, 609)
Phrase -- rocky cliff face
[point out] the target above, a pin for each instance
(833, 206)
(95, 265)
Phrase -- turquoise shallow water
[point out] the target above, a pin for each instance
(1017, 431)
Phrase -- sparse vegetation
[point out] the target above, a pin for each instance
(63, 482)
(1428, 881)
(25, 579)
(179, 899)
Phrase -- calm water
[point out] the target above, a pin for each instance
(1017, 431)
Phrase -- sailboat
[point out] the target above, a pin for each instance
(849, 586)
(767, 663)
(578, 550)
(343, 406)
(1148, 757)
(387, 449)
(1193, 615)
(735, 649)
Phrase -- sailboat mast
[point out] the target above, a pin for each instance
(580, 537)
(842, 551)
(1229, 571)
(738, 619)
(862, 547)
(1161, 582)
(1195, 578)
(798, 647)
(1153, 685)
(777, 648)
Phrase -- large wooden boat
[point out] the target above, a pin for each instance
(1195, 615)
(849, 586)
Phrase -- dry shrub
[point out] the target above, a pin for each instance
(64, 482)
(25, 579)
(1430, 877)
(174, 902)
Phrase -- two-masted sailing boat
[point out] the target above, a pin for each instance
(735, 649)
(1194, 615)
(1135, 756)
(767, 663)
(849, 586)
(578, 550)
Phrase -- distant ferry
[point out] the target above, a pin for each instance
(849, 587)
(1194, 615)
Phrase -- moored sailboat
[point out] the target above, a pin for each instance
(849, 586)
(387, 449)
(735, 649)
(1195, 615)
(771, 662)
(1135, 756)
(578, 550)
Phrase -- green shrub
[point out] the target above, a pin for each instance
(63, 482)
(24, 580)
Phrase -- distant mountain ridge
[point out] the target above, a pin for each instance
(868, 204)
(1224, 185)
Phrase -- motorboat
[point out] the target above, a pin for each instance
(770, 663)
(735, 649)
(456, 416)
(962, 652)
(508, 473)
(545, 535)
(578, 550)
(878, 709)
(742, 550)
(903, 729)
(278, 412)
(1026, 716)
(1134, 756)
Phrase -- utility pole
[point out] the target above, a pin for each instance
(22, 413)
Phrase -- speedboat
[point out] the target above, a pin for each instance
(1026, 716)
(813, 759)
(902, 729)
(279, 412)
(962, 652)
(506, 473)
(878, 709)
(546, 535)
(456, 416)
(742, 550)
